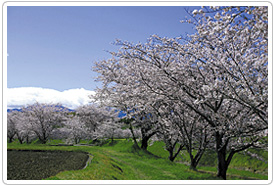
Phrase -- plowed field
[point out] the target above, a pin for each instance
(39, 164)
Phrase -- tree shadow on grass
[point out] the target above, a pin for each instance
(144, 153)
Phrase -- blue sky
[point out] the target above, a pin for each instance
(55, 47)
(51, 49)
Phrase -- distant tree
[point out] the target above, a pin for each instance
(108, 129)
(44, 118)
(11, 125)
(108, 97)
(18, 127)
(75, 128)
(121, 132)
(24, 132)
(95, 119)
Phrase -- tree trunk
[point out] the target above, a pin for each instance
(76, 140)
(145, 140)
(172, 156)
(43, 140)
(193, 165)
(10, 139)
(144, 143)
(133, 136)
(222, 166)
(27, 139)
(195, 161)
(20, 140)
(221, 155)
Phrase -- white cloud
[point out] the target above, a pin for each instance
(22, 96)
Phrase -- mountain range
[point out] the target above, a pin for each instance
(120, 115)
(20, 110)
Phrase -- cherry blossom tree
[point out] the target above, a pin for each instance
(171, 138)
(217, 75)
(198, 88)
(44, 118)
(138, 117)
(146, 120)
(234, 44)
(112, 97)
(185, 127)
(96, 118)
(231, 55)
(11, 125)
(18, 127)
(122, 132)
(75, 128)
(24, 132)
(108, 129)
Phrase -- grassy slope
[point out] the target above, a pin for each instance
(122, 162)
(241, 165)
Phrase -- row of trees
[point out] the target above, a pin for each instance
(206, 90)
(46, 121)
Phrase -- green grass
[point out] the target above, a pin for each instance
(241, 165)
(119, 160)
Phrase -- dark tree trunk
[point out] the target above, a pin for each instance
(77, 140)
(133, 136)
(223, 159)
(193, 165)
(42, 140)
(144, 143)
(45, 138)
(222, 165)
(10, 139)
(27, 139)
(172, 156)
(112, 139)
(145, 139)
(195, 161)
(221, 155)
(20, 140)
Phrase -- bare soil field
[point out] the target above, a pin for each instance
(40, 164)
